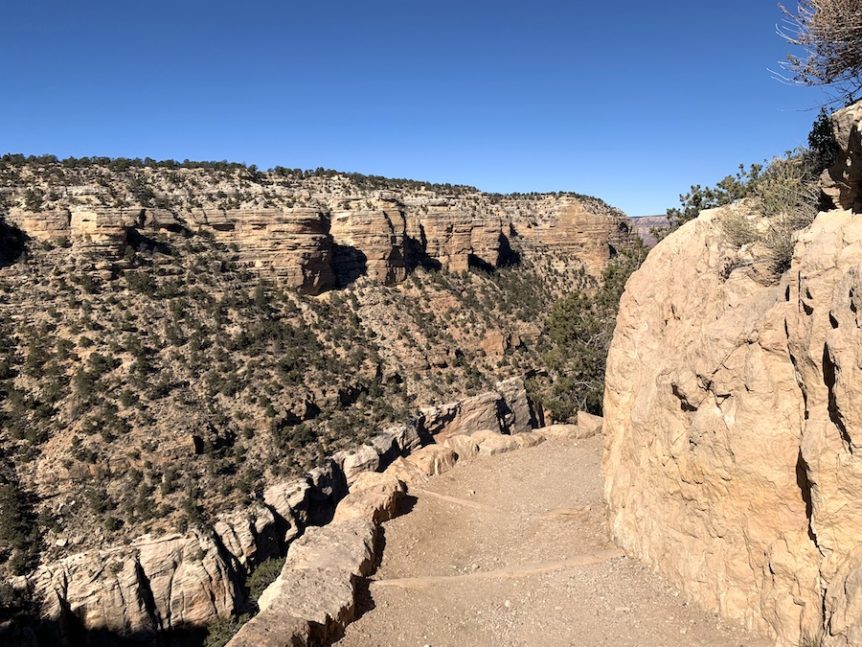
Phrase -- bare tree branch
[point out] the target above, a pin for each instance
(830, 34)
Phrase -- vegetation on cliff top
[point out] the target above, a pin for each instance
(785, 191)
(59, 173)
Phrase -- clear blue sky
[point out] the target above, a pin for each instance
(631, 101)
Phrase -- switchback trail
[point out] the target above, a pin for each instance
(513, 550)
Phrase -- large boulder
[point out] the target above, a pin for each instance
(732, 459)
(156, 583)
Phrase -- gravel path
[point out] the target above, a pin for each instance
(513, 550)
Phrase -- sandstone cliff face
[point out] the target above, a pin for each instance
(442, 238)
(101, 233)
(313, 249)
(566, 226)
(371, 242)
(730, 407)
(292, 246)
(48, 226)
(313, 233)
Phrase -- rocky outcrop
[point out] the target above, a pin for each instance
(291, 246)
(313, 249)
(153, 585)
(570, 229)
(101, 233)
(47, 226)
(507, 410)
(842, 182)
(489, 245)
(317, 587)
(731, 408)
(372, 243)
(441, 238)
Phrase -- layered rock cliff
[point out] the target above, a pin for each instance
(309, 233)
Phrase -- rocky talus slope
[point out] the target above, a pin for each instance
(732, 410)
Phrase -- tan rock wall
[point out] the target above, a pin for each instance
(374, 244)
(51, 226)
(730, 410)
(292, 246)
(442, 237)
(313, 249)
(843, 181)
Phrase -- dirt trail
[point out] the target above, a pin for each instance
(513, 550)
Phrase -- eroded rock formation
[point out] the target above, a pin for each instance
(731, 408)
(442, 238)
(371, 242)
(292, 246)
(383, 235)
(48, 226)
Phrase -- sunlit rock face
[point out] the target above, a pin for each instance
(370, 242)
(842, 182)
(731, 414)
(291, 246)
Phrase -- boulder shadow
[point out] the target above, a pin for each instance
(13, 244)
(27, 631)
(348, 263)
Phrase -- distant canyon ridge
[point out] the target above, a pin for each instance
(312, 232)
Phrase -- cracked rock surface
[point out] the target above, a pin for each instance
(731, 416)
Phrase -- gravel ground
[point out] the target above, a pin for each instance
(513, 550)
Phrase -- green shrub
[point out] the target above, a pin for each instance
(786, 195)
(263, 576)
(578, 331)
(220, 631)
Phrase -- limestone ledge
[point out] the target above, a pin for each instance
(313, 249)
